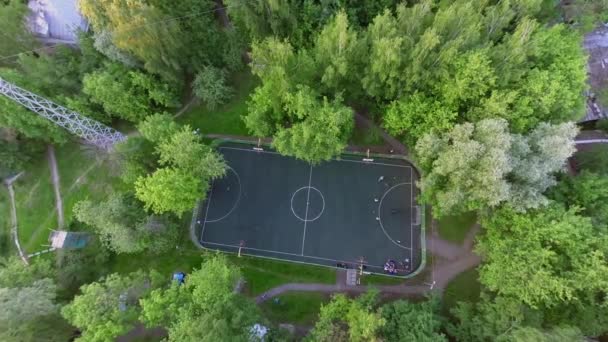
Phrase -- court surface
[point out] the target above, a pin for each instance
(334, 214)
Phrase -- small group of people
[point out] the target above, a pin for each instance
(391, 267)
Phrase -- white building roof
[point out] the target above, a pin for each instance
(56, 19)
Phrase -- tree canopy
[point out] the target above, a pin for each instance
(482, 165)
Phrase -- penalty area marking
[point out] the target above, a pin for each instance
(236, 203)
(380, 217)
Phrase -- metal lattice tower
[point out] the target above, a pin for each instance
(91, 131)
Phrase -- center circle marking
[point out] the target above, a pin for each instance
(305, 189)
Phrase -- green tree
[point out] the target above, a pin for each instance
(124, 227)
(482, 165)
(185, 151)
(210, 86)
(595, 159)
(205, 308)
(170, 190)
(347, 320)
(110, 307)
(489, 318)
(16, 36)
(557, 334)
(406, 321)
(338, 51)
(558, 254)
(158, 127)
(466, 168)
(31, 313)
(20, 119)
(416, 115)
(128, 94)
(14, 273)
(322, 131)
(588, 191)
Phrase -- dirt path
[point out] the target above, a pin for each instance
(50, 152)
(14, 227)
(401, 290)
(397, 145)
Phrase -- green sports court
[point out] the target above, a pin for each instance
(341, 213)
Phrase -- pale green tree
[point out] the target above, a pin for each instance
(466, 168)
(536, 158)
(482, 165)
(123, 226)
(210, 86)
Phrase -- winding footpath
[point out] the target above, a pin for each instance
(14, 232)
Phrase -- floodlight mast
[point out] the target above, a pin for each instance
(91, 131)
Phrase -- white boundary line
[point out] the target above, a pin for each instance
(287, 253)
(380, 218)
(339, 160)
(307, 205)
(238, 199)
(207, 210)
(412, 207)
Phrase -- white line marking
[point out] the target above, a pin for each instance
(286, 253)
(339, 160)
(238, 199)
(380, 218)
(207, 211)
(307, 205)
(322, 201)
(412, 207)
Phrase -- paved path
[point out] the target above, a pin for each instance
(50, 152)
(14, 227)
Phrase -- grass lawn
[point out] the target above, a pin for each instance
(227, 118)
(366, 137)
(465, 287)
(455, 228)
(264, 274)
(35, 203)
(295, 307)
(36, 200)
(374, 279)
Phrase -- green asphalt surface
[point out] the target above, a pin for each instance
(336, 212)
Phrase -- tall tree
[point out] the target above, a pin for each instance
(128, 94)
(109, 308)
(406, 321)
(347, 320)
(16, 36)
(561, 260)
(589, 191)
(123, 225)
(205, 308)
(482, 165)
